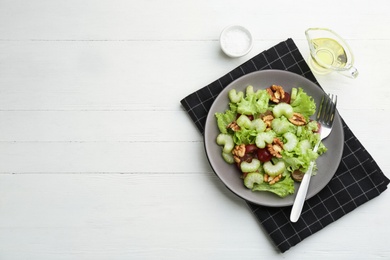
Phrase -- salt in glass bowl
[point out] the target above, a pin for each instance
(236, 41)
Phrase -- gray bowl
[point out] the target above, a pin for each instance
(230, 175)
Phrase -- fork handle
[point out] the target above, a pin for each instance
(302, 191)
(301, 195)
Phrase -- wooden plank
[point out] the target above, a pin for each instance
(152, 216)
(106, 157)
(98, 126)
(77, 76)
(193, 20)
(62, 137)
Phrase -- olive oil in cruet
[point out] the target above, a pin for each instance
(329, 53)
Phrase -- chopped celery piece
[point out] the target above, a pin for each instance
(281, 125)
(249, 90)
(235, 96)
(299, 131)
(252, 178)
(283, 109)
(303, 146)
(293, 94)
(228, 157)
(258, 124)
(291, 143)
(227, 141)
(244, 121)
(274, 169)
(253, 166)
(264, 138)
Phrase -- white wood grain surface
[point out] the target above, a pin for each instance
(98, 160)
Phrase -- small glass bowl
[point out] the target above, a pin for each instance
(236, 41)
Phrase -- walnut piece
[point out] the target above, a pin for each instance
(272, 180)
(276, 93)
(297, 119)
(275, 148)
(276, 179)
(268, 120)
(236, 159)
(239, 150)
(278, 142)
(234, 126)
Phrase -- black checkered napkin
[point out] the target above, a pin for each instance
(357, 180)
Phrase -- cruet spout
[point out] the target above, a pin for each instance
(352, 72)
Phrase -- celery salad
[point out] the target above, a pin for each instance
(269, 136)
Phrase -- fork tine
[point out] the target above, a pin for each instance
(321, 109)
(328, 115)
(334, 104)
(327, 109)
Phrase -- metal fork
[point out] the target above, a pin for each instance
(325, 116)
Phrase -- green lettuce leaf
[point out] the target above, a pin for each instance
(262, 100)
(247, 105)
(253, 103)
(304, 104)
(224, 119)
(245, 136)
(281, 188)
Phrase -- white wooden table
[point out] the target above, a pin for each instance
(98, 160)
